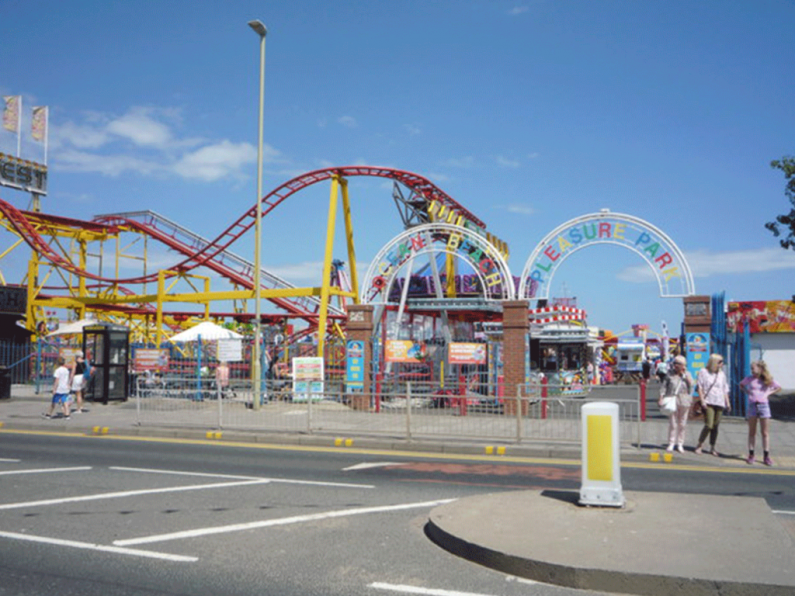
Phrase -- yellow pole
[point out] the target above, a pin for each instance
(346, 207)
(161, 292)
(81, 284)
(325, 288)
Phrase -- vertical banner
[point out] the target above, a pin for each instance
(38, 124)
(307, 379)
(697, 352)
(12, 113)
(354, 365)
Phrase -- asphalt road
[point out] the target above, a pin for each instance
(100, 515)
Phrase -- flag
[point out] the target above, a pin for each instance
(39, 123)
(11, 112)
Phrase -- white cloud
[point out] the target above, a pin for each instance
(520, 209)
(460, 162)
(348, 121)
(534, 155)
(412, 129)
(518, 10)
(706, 264)
(73, 160)
(218, 161)
(506, 162)
(143, 141)
(138, 126)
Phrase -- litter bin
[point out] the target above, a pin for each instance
(5, 382)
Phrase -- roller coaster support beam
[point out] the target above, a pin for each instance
(346, 206)
(325, 289)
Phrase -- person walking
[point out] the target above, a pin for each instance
(679, 385)
(759, 386)
(60, 389)
(79, 380)
(713, 393)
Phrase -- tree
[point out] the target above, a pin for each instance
(786, 165)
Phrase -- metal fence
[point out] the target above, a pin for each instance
(539, 413)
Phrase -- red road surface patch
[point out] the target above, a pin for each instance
(542, 472)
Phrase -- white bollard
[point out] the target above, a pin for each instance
(601, 465)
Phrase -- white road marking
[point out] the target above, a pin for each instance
(365, 466)
(277, 522)
(9, 461)
(129, 493)
(99, 547)
(781, 512)
(281, 480)
(419, 590)
(45, 470)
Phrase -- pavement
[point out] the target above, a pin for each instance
(701, 544)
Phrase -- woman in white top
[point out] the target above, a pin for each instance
(713, 393)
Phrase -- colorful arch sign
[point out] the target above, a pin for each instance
(660, 252)
(485, 259)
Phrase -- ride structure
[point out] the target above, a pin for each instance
(74, 253)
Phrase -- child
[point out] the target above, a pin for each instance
(759, 386)
(60, 389)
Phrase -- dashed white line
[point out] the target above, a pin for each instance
(280, 480)
(277, 522)
(129, 493)
(9, 461)
(782, 512)
(419, 590)
(45, 470)
(99, 547)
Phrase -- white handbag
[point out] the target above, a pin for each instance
(669, 404)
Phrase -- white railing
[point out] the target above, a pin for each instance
(538, 413)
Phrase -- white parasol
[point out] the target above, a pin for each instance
(72, 328)
(207, 330)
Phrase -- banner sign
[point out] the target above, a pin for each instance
(697, 351)
(653, 245)
(13, 300)
(150, 359)
(466, 353)
(22, 174)
(776, 316)
(354, 365)
(307, 379)
(405, 351)
(230, 350)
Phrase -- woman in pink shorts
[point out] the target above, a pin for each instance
(759, 386)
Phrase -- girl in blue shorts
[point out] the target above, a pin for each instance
(759, 386)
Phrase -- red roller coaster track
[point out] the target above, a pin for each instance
(22, 222)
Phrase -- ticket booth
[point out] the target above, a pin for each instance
(107, 347)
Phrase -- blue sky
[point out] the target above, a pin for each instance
(529, 113)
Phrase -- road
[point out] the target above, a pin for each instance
(100, 515)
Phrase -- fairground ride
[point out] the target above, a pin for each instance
(77, 264)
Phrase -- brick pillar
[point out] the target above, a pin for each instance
(515, 326)
(360, 328)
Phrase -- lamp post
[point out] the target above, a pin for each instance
(260, 30)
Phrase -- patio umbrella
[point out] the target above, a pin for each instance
(207, 331)
(75, 327)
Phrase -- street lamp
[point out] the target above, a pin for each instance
(260, 30)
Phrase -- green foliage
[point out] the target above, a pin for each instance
(786, 222)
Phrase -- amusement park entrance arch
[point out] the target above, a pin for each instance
(652, 244)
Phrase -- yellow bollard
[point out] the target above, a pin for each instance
(654, 457)
(489, 450)
(348, 442)
(338, 442)
(668, 457)
(500, 450)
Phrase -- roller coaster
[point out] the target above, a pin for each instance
(67, 266)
